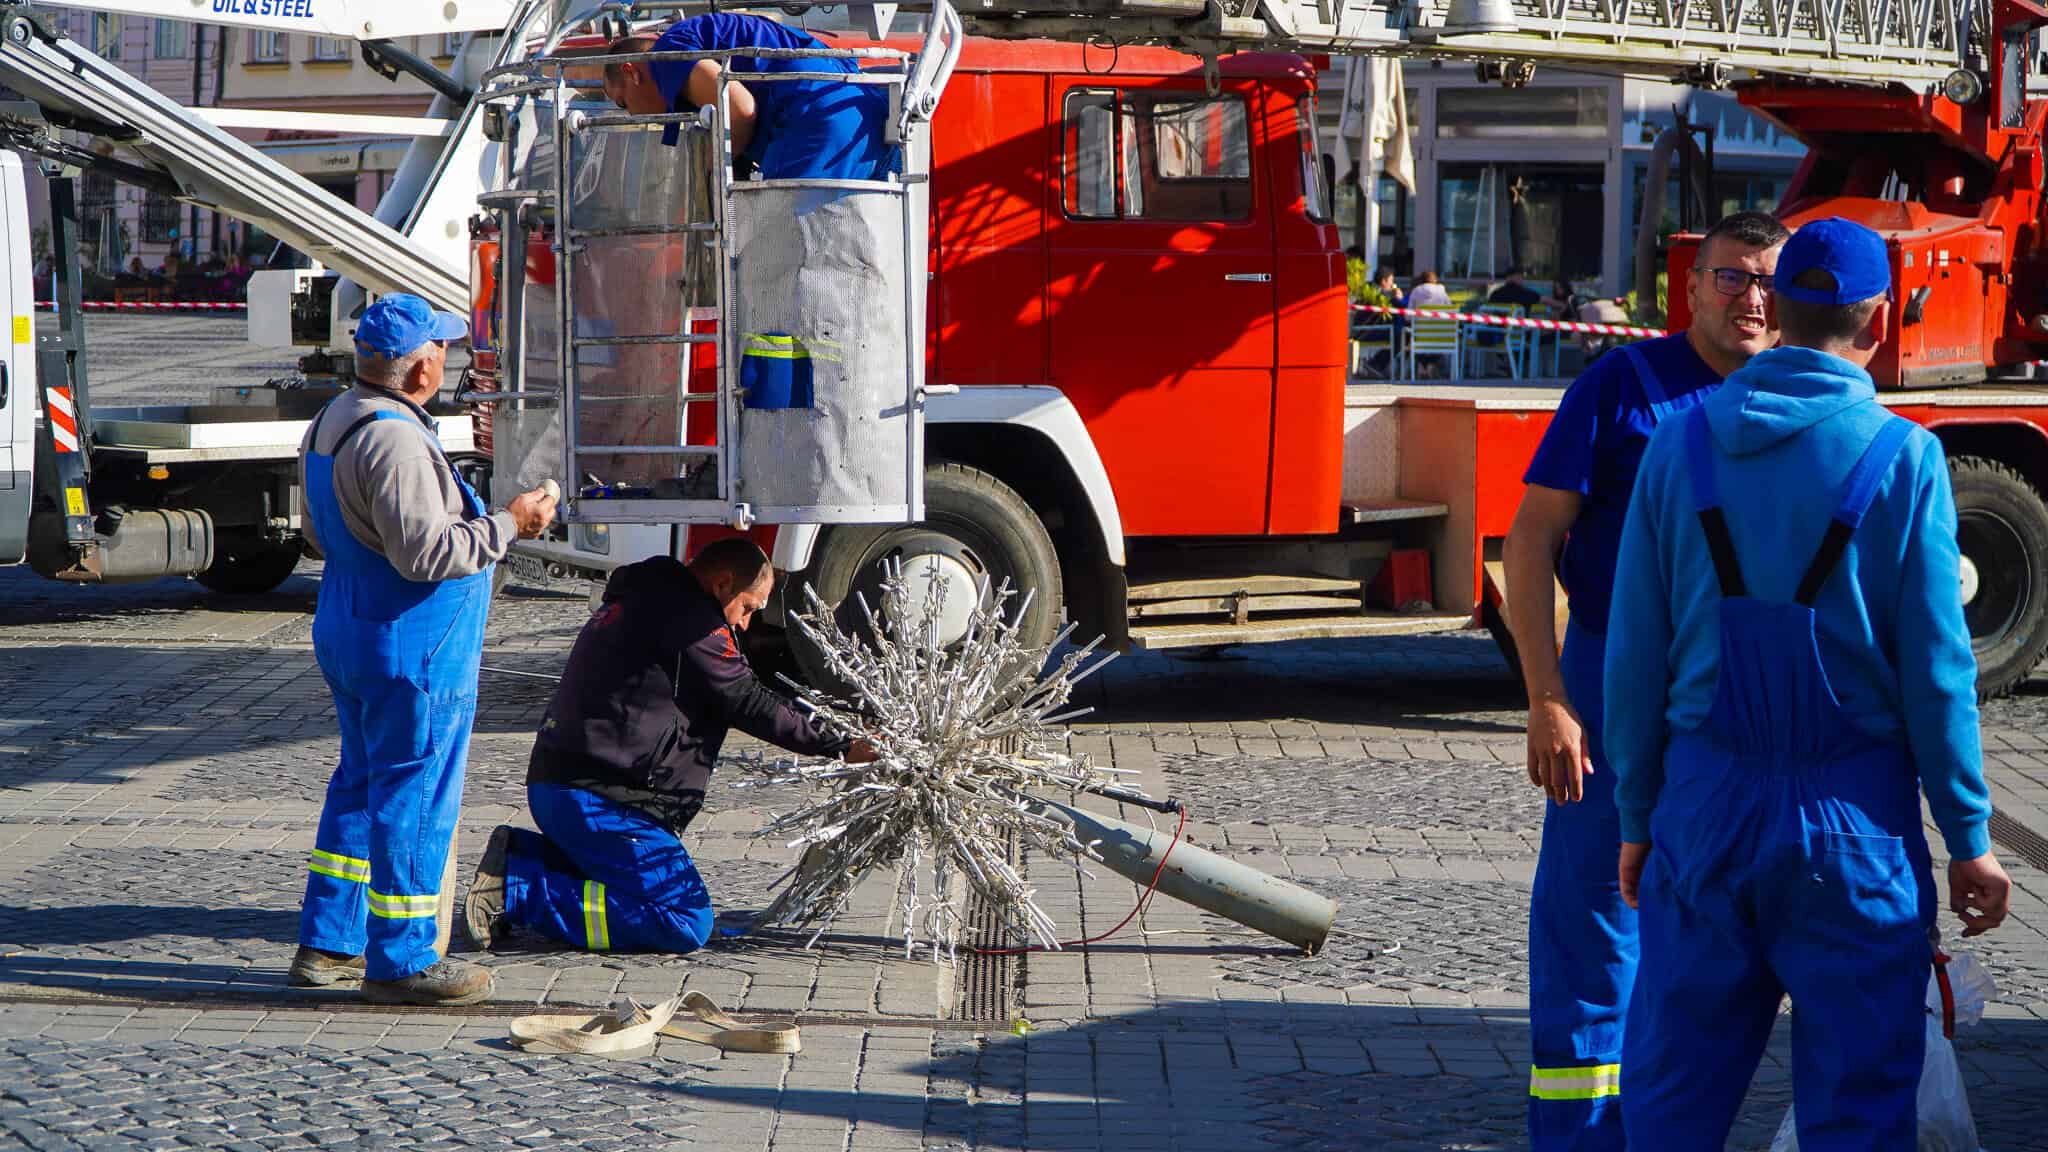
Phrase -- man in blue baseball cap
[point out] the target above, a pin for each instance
(398, 633)
(819, 129)
(1787, 671)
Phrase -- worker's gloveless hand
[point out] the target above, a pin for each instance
(533, 511)
(1633, 857)
(862, 752)
(1978, 891)
(1558, 760)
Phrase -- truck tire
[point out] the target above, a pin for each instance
(975, 525)
(246, 564)
(2002, 531)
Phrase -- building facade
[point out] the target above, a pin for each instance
(202, 65)
(1549, 177)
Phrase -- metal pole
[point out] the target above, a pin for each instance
(1200, 877)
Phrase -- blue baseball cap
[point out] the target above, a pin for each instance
(1854, 255)
(399, 323)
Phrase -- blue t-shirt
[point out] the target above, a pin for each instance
(817, 129)
(1593, 446)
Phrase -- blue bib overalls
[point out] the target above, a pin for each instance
(1582, 935)
(400, 657)
(1787, 855)
(603, 876)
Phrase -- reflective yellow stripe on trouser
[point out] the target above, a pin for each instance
(340, 867)
(596, 932)
(392, 907)
(1588, 1082)
(774, 346)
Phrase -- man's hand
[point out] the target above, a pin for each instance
(861, 752)
(1978, 891)
(1558, 760)
(533, 511)
(1633, 857)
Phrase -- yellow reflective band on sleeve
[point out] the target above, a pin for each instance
(402, 907)
(595, 930)
(1588, 1082)
(340, 867)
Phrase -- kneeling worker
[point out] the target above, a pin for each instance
(654, 682)
(817, 129)
(1787, 669)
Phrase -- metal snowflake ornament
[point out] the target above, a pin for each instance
(963, 732)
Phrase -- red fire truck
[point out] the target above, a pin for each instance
(1138, 340)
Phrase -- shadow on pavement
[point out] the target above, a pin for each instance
(1233, 1075)
(182, 929)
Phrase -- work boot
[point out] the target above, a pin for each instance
(483, 910)
(451, 982)
(318, 968)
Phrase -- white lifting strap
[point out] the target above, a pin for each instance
(632, 1026)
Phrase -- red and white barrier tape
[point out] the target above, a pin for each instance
(151, 306)
(1515, 321)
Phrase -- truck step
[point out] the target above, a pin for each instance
(1269, 631)
(1251, 585)
(1383, 511)
(1204, 605)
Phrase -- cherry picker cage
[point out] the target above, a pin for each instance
(651, 270)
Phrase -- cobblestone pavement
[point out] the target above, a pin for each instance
(163, 753)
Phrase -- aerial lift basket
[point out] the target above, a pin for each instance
(650, 268)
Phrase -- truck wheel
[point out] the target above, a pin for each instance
(245, 564)
(2002, 531)
(975, 526)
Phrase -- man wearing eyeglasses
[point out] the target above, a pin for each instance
(398, 635)
(1582, 936)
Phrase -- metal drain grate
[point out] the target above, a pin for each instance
(2024, 841)
(987, 983)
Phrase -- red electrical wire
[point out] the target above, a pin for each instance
(1143, 899)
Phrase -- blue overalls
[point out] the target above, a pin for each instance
(1787, 855)
(400, 657)
(1582, 935)
(603, 876)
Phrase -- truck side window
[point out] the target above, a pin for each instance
(1157, 156)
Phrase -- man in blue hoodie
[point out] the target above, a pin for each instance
(1786, 660)
(1582, 948)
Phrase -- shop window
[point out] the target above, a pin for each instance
(1545, 219)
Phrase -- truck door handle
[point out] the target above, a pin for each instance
(1249, 277)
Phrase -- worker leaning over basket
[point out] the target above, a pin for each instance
(788, 129)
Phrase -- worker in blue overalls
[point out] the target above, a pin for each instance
(398, 633)
(1786, 654)
(1582, 949)
(814, 129)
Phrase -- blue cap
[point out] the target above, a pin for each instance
(401, 322)
(1853, 254)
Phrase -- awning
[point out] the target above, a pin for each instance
(315, 158)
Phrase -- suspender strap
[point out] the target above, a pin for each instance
(1870, 470)
(1653, 388)
(351, 430)
(1706, 495)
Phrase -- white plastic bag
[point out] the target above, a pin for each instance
(1945, 1121)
